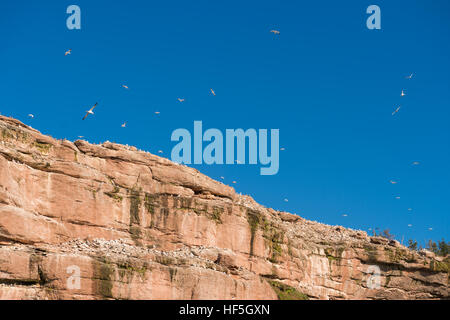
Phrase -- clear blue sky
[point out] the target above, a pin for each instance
(327, 82)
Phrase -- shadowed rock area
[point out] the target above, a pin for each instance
(138, 226)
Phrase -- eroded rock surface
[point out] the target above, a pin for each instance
(138, 226)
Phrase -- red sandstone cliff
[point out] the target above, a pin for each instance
(141, 227)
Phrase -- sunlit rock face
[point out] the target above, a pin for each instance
(84, 221)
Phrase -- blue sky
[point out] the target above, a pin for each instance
(327, 82)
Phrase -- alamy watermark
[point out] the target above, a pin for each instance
(74, 280)
(74, 20)
(374, 20)
(374, 279)
(215, 153)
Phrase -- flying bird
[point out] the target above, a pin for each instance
(345, 215)
(212, 91)
(416, 163)
(397, 197)
(396, 110)
(403, 93)
(410, 76)
(160, 151)
(234, 181)
(90, 111)
(222, 178)
(286, 200)
(124, 124)
(282, 149)
(31, 116)
(392, 181)
(157, 112)
(180, 99)
(430, 229)
(68, 52)
(126, 87)
(409, 225)
(275, 31)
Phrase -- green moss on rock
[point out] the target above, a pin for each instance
(115, 194)
(253, 219)
(286, 292)
(42, 147)
(135, 204)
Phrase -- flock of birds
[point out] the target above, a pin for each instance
(123, 125)
(212, 92)
(414, 163)
(402, 94)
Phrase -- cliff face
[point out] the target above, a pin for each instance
(137, 226)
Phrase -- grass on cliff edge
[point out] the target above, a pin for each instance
(285, 292)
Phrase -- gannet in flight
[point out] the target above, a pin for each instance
(410, 76)
(180, 99)
(275, 31)
(403, 93)
(157, 112)
(31, 116)
(126, 87)
(392, 181)
(124, 124)
(90, 111)
(68, 52)
(396, 110)
(212, 91)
